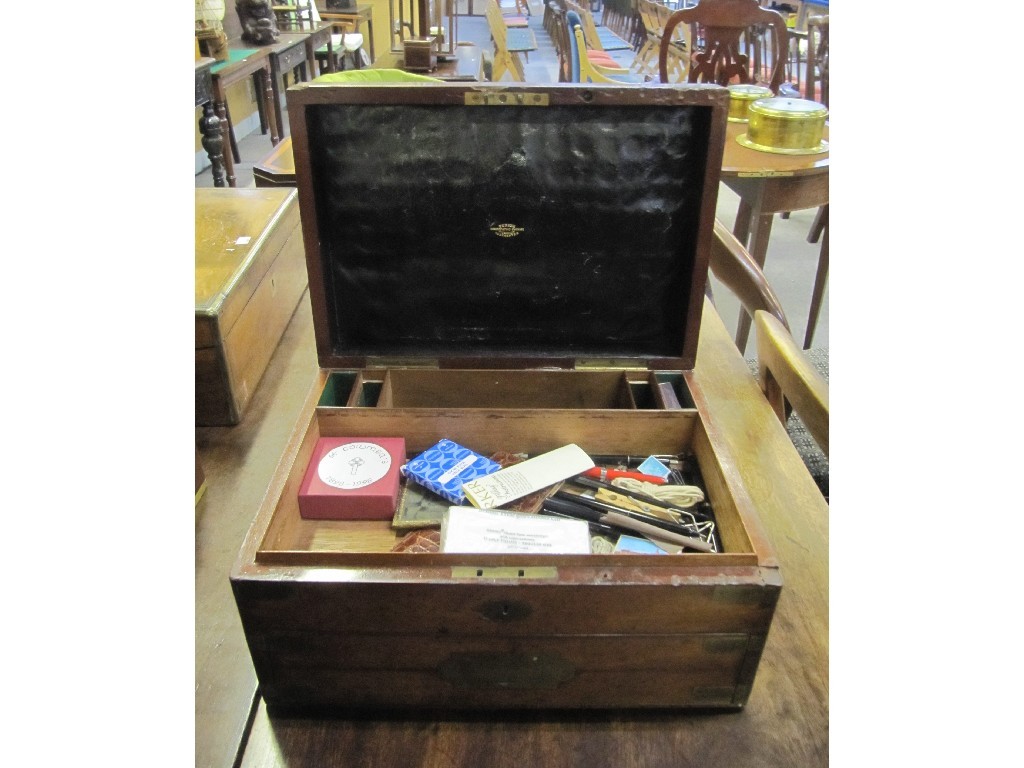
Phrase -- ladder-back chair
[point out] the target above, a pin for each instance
(722, 31)
(816, 81)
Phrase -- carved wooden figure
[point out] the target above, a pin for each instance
(259, 25)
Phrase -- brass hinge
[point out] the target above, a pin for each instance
(506, 99)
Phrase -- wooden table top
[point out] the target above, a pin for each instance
(786, 721)
(243, 60)
(739, 160)
(286, 40)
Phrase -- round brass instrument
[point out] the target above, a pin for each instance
(785, 126)
(741, 96)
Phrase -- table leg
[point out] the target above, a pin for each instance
(741, 228)
(758, 251)
(231, 134)
(213, 143)
(261, 104)
(369, 29)
(275, 76)
(268, 106)
(225, 127)
(818, 292)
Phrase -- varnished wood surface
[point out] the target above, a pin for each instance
(238, 462)
(353, 19)
(231, 225)
(785, 722)
(769, 183)
(742, 161)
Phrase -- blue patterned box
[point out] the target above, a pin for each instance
(445, 467)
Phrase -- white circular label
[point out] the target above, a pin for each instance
(354, 465)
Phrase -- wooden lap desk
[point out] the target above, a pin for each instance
(767, 184)
(786, 720)
(243, 63)
(277, 169)
(250, 272)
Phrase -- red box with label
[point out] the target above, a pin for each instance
(352, 478)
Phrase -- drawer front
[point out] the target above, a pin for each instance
(504, 610)
(418, 671)
(288, 60)
(320, 38)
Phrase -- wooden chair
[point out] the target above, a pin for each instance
(622, 18)
(506, 57)
(680, 45)
(564, 49)
(736, 269)
(793, 382)
(346, 42)
(722, 30)
(646, 61)
(788, 380)
(599, 38)
(293, 14)
(585, 68)
(816, 80)
(816, 89)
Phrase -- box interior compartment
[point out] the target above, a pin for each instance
(291, 539)
(508, 276)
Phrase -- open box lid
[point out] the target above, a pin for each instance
(504, 226)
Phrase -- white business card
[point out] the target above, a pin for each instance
(466, 530)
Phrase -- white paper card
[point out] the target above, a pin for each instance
(466, 530)
(528, 476)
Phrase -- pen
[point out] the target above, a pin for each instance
(622, 520)
(604, 506)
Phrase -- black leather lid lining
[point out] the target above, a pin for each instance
(567, 230)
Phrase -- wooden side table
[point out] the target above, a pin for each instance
(287, 54)
(209, 123)
(243, 63)
(315, 40)
(767, 184)
(362, 13)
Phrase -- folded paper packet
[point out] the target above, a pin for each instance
(444, 468)
(507, 485)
